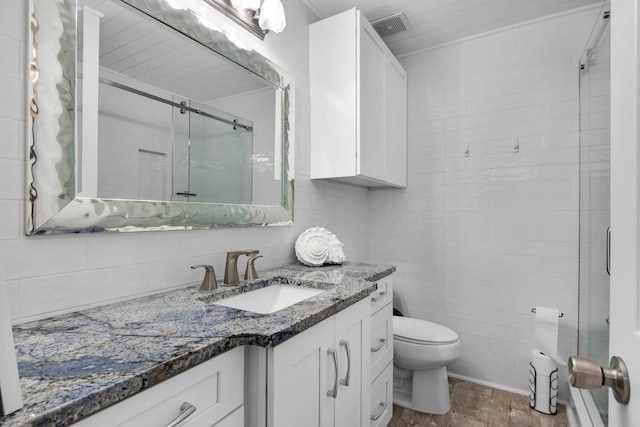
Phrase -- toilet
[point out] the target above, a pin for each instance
(421, 351)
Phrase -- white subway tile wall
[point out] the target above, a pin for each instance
(480, 240)
(53, 274)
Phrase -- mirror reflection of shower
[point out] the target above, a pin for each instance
(171, 149)
(215, 163)
(593, 316)
(162, 119)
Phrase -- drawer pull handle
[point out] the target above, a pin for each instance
(347, 378)
(383, 407)
(186, 410)
(380, 296)
(376, 349)
(334, 391)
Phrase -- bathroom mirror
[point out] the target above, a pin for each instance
(151, 115)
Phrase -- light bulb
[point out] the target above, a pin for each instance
(272, 16)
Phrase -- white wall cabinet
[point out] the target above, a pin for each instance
(321, 377)
(381, 405)
(358, 104)
(214, 388)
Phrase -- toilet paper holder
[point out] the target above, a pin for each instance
(548, 405)
(533, 310)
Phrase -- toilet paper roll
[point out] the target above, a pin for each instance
(543, 364)
(546, 331)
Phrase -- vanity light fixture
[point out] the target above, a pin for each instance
(270, 13)
(257, 16)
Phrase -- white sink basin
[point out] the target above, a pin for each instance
(270, 298)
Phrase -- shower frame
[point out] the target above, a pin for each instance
(594, 179)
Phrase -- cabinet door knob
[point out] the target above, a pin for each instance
(186, 410)
(334, 391)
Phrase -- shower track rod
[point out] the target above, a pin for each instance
(182, 106)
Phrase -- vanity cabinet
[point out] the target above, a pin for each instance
(215, 389)
(381, 405)
(358, 104)
(321, 377)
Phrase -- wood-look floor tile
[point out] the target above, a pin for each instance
(475, 405)
(470, 406)
(472, 389)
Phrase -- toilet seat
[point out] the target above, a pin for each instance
(417, 331)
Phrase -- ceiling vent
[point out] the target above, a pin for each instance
(391, 24)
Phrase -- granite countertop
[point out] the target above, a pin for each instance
(73, 365)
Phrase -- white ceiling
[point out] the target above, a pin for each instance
(434, 22)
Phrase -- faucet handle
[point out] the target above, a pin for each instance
(247, 252)
(231, 266)
(250, 272)
(209, 283)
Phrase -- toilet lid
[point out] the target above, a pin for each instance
(421, 330)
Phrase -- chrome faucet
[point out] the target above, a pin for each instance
(231, 266)
(209, 283)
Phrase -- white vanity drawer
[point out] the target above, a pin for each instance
(383, 295)
(382, 398)
(215, 388)
(234, 419)
(381, 340)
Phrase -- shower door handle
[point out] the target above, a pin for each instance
(584, 373)
(609, 251)
(186, 194)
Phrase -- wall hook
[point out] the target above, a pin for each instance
(466, 151)
(516, 146)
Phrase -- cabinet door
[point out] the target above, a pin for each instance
(353, 337)
(395, 132)
(332, 74)
(371, 147)
(300, 373)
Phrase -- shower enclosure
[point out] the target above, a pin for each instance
(593, 315)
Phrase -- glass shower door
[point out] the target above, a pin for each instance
(593, 316)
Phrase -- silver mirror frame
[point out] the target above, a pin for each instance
(52, 205)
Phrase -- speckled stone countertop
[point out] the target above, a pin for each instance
(73, 365)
